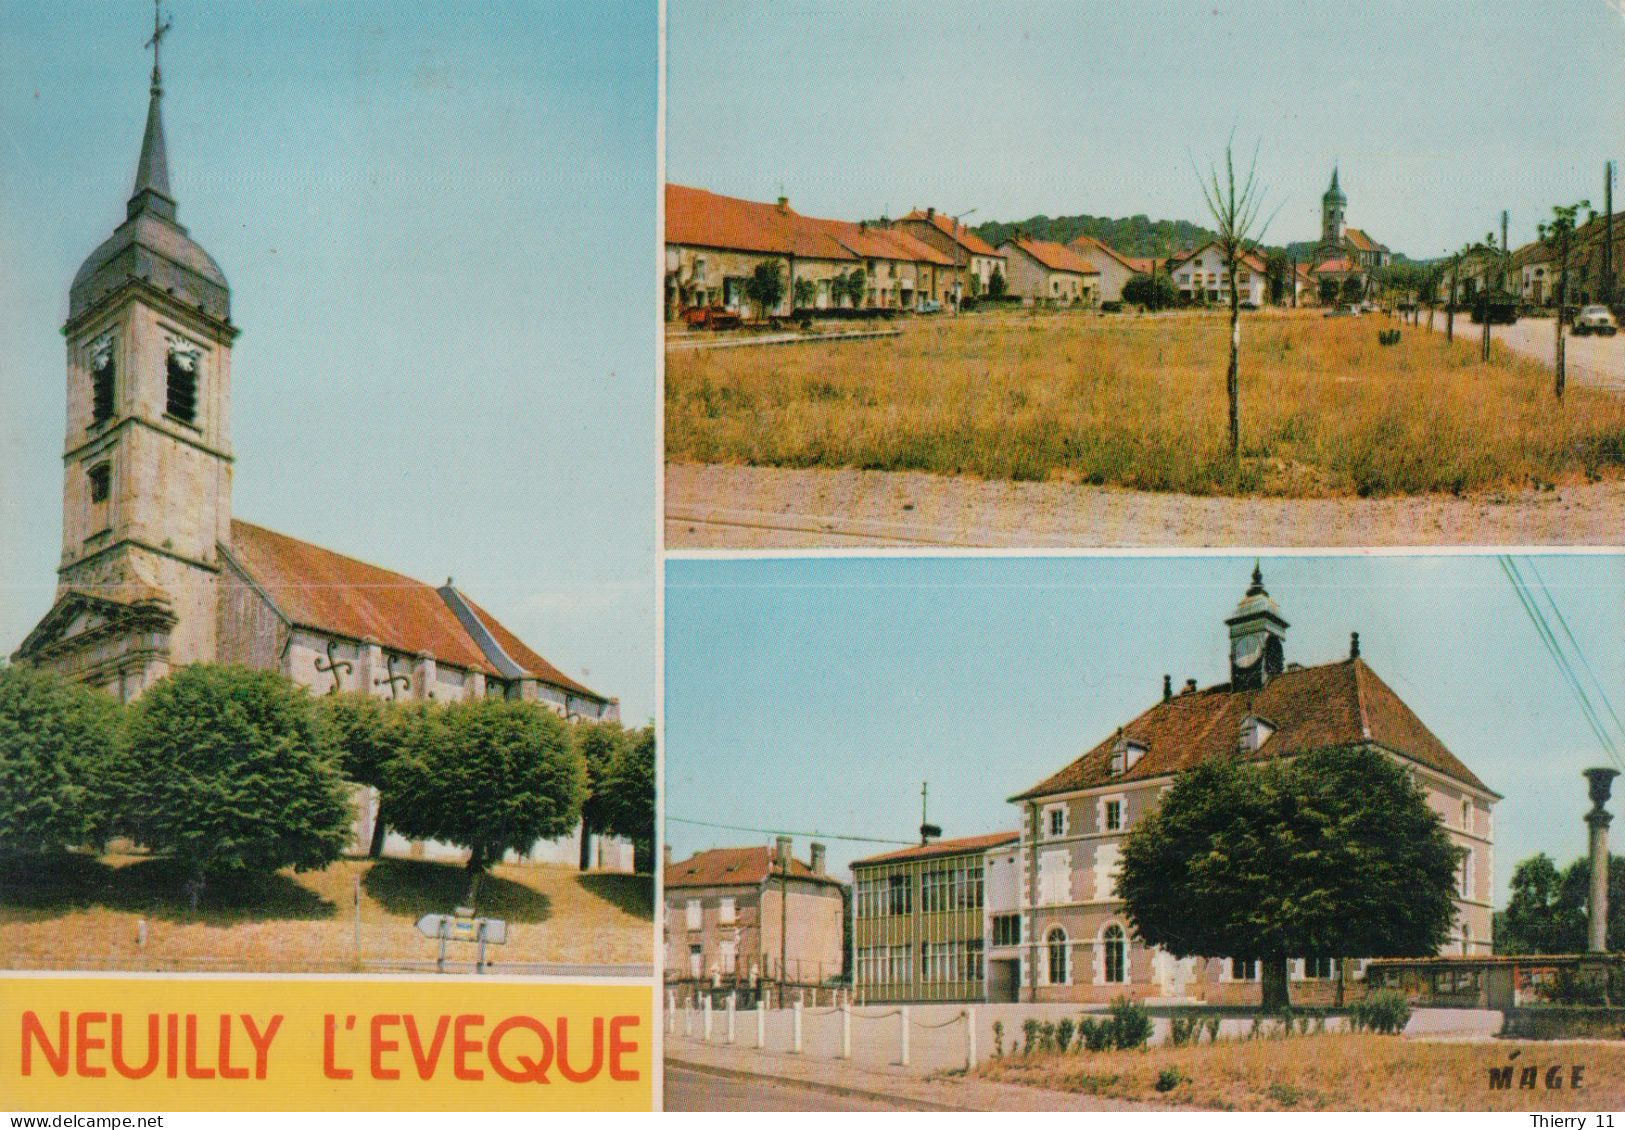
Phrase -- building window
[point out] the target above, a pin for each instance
(693, 914)
(1467, 874)
(1116, 955)
(696, 961)
(900, 895)
(1055, 944)
(101, 379)
(1007, 929)
(725, 911)
(727, 955)
(1244, 969)
(101, 481)
(1318, 968)
(973, 959)
(1114, 815)
(1466, 814)
(1057, 821)
(181, 399)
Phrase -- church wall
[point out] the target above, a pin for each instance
(249, 631)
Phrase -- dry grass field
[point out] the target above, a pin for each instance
(82, 913)
(1335, 1072)
(1326, 411)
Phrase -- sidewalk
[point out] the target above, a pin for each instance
(895, 1084)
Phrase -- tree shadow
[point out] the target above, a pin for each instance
(50, 886)
(415, 887)
(634, 894)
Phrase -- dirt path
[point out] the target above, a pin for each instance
(725, 507)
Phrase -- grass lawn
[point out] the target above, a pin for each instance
(1326, 411)
(1334, 1072)
(81, 912)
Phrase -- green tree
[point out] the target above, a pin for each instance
(1234, 209)
(1548, 910)
(996, 284)
(58, 751)
(235, 774)
(1276, 269)
(628, 791)
(765, 287)
(489, 775)
(805, 293)
(1353, 288)
(1154, 292)
(1333, 853)
(1327, 290)
(1558, 236)
(599, 744)
(367, 733)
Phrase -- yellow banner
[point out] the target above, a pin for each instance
(185, 1044)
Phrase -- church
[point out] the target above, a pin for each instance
(156, 572)
(1344, 251)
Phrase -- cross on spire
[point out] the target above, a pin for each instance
(160, 28)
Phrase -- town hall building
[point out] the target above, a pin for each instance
(1074, 941)
(156, 572)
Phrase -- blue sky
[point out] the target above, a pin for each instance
(1442, 113)
(438, 225)
(816, 695)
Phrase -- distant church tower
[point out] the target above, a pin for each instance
(1332, 207)
(146, 497)
(1257, 638)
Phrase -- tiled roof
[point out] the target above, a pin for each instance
(736, 867)
(328, 592)
(1252, 260)
(1358, 240)
(954, 230)
(1336, 704)
(1087, 245)
(943, 847)
(1055, 256)
(1334, 267)
(697, 218)
(868, 241)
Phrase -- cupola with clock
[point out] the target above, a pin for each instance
(1257, 638)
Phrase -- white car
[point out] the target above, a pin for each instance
(1595, 320)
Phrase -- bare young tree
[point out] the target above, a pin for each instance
(1235, 210)
(1558, 236)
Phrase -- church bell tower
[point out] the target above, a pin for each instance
(146, 497)
(1332, 207)
(1257, 638)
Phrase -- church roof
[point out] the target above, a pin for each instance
(325, 591)
(1335, 704)
(1360, 241)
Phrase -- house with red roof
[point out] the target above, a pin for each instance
(1045, 273)
(1077, 944)
(1202, 276)
(156, 571)
(1115, 268)
(745, 919)
(974, 260)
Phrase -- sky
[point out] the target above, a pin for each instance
(1439, 113)
(814, 696)
(438, 222)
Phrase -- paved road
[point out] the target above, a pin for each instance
(702, 1091)
(1587, 360)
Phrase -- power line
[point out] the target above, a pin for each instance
(785, 832)
(1602, 692)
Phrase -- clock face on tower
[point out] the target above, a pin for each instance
(1246, 651)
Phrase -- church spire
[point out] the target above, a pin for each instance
(152, 170)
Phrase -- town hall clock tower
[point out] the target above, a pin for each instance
(146, 498)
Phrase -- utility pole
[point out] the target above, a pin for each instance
(1607, 295)
(783, 846)
(1484, 345)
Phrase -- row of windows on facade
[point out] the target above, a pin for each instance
(956, 887)
(939, 963)
(727, 912)
(727, 958)
(180, 388)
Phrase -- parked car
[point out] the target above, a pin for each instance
(1595, 320)
(711, 317)
(930, 306)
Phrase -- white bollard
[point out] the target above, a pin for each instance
(902, 1034)
(705, 1026)
(970, 1039)
(795, 1028)
(688, 1019)
(730, 1018)
(671, 1011)
(761, 1024)
(846, 1031)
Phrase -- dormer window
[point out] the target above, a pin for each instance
(1125, 754)
(101, 379)
(1255, 731)
(181, 381)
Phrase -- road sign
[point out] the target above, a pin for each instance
(493, 931)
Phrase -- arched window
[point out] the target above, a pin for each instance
(1055, 940)
(1116, 954)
